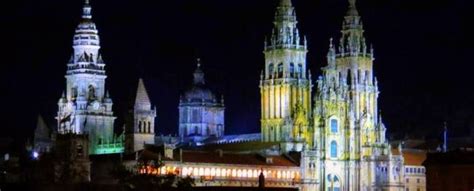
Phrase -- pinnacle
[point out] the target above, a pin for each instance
(285, 3)
(352, 9)
(142, 100)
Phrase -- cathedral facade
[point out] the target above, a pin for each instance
(343, 131)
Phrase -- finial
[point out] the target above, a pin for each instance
(198, 74)
(86, 10)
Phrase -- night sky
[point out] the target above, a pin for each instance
(423, 52)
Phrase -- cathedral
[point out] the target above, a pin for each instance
(322, 134)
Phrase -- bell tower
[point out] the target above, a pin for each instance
(285, 85)
(86, 107)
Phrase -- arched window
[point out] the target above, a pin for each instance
(196, 130)
(280, 69)
(292, 69)
(333, 149)
(334, 183)
(149, 127)
(270, 69)
(91, 92)
(300, 69)
(334, 127)
(140, 126)
(74, 93)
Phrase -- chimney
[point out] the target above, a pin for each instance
(221, 152)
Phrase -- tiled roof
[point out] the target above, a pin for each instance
(240, 159)
(412, 157)
(226, 158)
(415, 158)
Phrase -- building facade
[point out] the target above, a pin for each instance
(346, 136)
(86, 107)
(201, 114)
(415, 172)
(348, 130)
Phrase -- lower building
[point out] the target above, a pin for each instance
(452, 170)
(415, 172)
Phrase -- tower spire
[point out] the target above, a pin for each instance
(198, 74)
(352, 41)
(86, 10)
(142, 100)
(285, 33)
(285, 3)
(352, 9)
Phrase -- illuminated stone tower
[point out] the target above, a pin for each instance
(143, 125)
(201, 115)
(86, 108)
(349, 132)
(285, 85)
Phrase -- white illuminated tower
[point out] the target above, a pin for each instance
(86, 108)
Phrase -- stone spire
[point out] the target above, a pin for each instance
(142, 101)
(86, 10)
(42, 131)
(285, 33)
(198, 74)
(352, 41)
(86, 41)
(352, 11)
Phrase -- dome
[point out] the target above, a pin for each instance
(199, 94)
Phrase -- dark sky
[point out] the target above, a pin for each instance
(423, 52)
